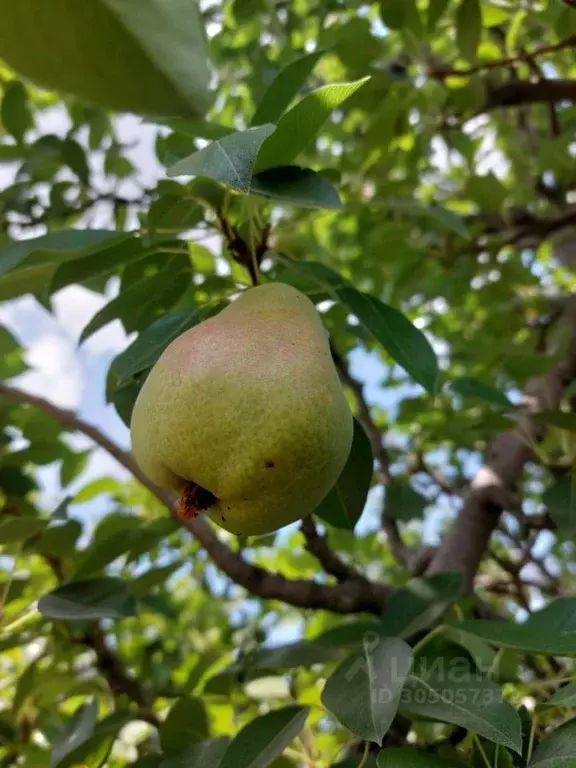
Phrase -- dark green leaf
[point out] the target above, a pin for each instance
(453, 691)
(364, 691)
(159, 65)
(75, 158)
(78, 731)
(93, 752)
(200, 129)
(345, 502)
(468, 28)
(446, 218)
(20, 528)
(560, 419)
(206, 754)
(136, 305)
(300, 186)
(411, 758)
(264, 738)
(560, 499)
(421, 602)
(564, 697)
(401, 15)
(301, 124)
(174, 213)
(405, 344)
(557, 749)
(15, 110)
(408, 346)
(536, 639)
(436, 10)
(63, 245)
(403, 502)
(152, 578)
(186, 724)
(468, 387)
(11, 362)
(93, 599)
(100, 261)
(230, 160)
(284, 88)
(59, 540)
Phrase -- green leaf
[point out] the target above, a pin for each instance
(143, 353)
(152, 578)
(284, 88)
(469, 387)
(560, 419)
(405, 344)
(56, 246)
(401, 15)
(78, 731)
(96, 488)
(420, 603)
(445, 218)
(59, 540)
(364, 691)
(74, 156)
(94, 751)
(300, 186)
(344, 504)
(186, 724)
(408, 346)
(102, 552)
(265, 738)
(11, 362)
(230, 160)
(206, 754)
(403, 502)
(73, 464)
(20, 529)
(301, 124)
(100, 261)
(411, 758)
(15, 110)
(174, 213)
(453, 691)
(560, 500)
(159, 64)
(523, 637)
(137, 303)
(468, 28)
(436, 10)
(564, 697)
(557, 749)
(200, 129)
(104, 598)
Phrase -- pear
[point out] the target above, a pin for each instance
(244, 414)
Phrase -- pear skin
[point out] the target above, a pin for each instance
(244, 414)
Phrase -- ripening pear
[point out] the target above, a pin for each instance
(244, 414)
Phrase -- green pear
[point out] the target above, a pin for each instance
(244, 414)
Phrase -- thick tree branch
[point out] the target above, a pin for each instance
(352, 597)
(517, 92)
(494, 487)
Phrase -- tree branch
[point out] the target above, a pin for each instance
(352, 597)
(330, 561)
(517, 92)
(495, 485)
